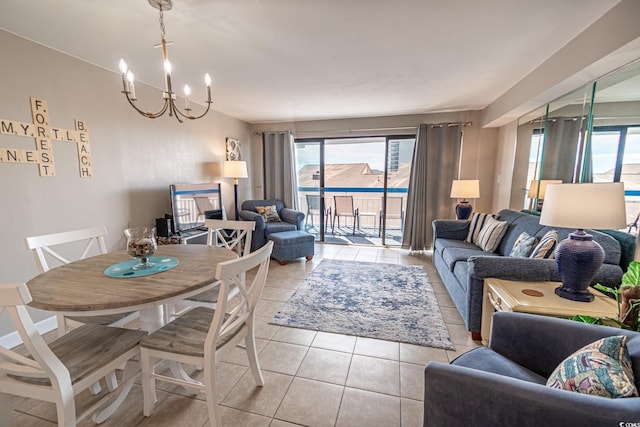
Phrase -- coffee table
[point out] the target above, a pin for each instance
(537, 298)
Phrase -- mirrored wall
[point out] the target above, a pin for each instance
(590, 135)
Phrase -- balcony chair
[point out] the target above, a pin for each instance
(504, 384)
(314, 209)
(41, 245)
(203, 335)
(288, 220)
(395, 210)
(233, 235)
(59, 371)
(343, 206)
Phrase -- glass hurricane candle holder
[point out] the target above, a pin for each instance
(141, 244)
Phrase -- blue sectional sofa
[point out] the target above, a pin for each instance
(464, 266)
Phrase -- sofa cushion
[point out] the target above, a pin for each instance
(523, 246)
(452, 255)
(546, 248)
(491, 234)
(278, 227)
(475, 225)
(602, 368)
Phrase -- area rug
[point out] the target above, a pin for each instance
(374, 300)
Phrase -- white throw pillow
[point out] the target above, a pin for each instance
(491, 234)
(477, 222)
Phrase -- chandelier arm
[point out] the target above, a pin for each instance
(146, 113)
(203, 114)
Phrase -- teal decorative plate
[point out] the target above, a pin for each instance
(123, 270)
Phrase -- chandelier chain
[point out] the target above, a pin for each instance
(161, 24)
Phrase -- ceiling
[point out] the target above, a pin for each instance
(293, 60)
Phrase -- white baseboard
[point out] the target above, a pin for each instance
(13, 339)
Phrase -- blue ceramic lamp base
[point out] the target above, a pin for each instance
(463, 210)
(578, 259)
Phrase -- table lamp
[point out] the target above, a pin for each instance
(538, 189)
(235, 169)
(593, 206)
(464, 189)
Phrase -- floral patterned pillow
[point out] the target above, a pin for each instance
(602, 368)
(269, 213)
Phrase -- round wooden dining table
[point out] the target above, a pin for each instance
(81, 288)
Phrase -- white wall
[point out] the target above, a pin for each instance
(135, 159)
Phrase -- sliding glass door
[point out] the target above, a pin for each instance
(353, 190)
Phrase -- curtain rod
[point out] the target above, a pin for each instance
(464, 124)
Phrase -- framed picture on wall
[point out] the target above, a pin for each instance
(233, 149)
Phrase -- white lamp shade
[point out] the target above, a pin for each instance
(593, 206)
(538, 189)
(465, 189)
(235, 169)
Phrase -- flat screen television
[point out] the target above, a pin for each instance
(191, 204)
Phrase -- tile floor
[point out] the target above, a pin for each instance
(312, 378)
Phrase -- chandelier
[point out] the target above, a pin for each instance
(168, 94)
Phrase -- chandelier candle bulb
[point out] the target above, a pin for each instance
(130, 87)
(187, 92)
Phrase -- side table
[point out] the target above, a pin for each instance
(537, 298)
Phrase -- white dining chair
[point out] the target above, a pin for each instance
(59, 371)
(85, 242)
(201, 336)
(233, 235)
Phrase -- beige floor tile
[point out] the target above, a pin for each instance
(24, 420)
(411, 413)
(374, 374)
(377, 348)
(419, 355)
(246, 396)
(263, 329)
(286, 282)
(238, 356)
(365, 408)
(451, 315)
(282, 357)
(280, 423)
(325, 365)
(295, 336)
(276, 294)
(234, 417)
(444, 300)
(412, 381)
(460, 335)
(266, 308)
(129, 413)
(178, 411)
(337, 342)
(311, 403)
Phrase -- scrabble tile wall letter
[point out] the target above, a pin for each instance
(44, 135)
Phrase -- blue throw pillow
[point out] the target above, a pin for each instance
(546, 248)
(523, 246)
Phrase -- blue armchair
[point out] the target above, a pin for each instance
(291, 220)
(504, 384)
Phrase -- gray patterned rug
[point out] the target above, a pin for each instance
(384, 301)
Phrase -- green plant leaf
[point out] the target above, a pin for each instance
(632, 276)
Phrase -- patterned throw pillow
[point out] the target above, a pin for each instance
(602, 368)
(477, 222)
(546, 248)
(491, 234)
(523, 245)
(269, 213)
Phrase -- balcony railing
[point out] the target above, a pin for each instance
(368, 201)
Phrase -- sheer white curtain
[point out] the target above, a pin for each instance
(280, 179)
(434, 167)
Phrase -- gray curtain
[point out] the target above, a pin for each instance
(435, 163)
(562, 138)
(280, 181)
